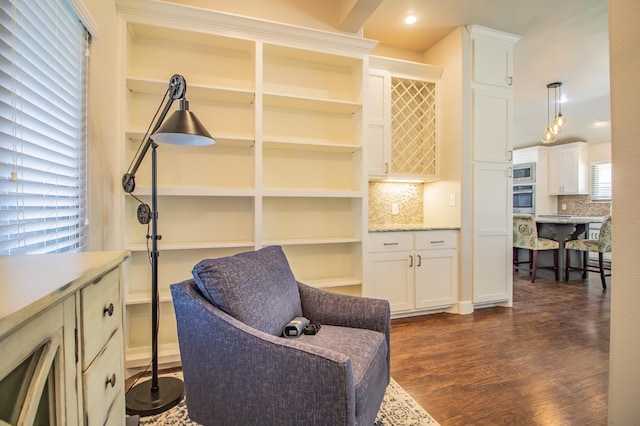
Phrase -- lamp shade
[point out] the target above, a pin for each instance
(183, 128)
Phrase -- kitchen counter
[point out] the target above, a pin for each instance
(568, 219)
(562, 228)
(410, 227)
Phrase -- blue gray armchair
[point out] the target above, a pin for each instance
(237, 368)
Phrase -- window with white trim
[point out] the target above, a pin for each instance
(43, 165)
(601, 181)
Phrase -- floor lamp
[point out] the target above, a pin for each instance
(182, 128)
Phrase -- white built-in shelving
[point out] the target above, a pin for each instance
(285, 106)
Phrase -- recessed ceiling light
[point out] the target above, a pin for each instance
(410, 19)
(601, 123)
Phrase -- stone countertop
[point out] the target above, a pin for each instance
(567, 219)
(410, 227)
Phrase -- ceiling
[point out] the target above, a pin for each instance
(563, 41)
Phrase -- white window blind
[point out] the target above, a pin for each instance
(43, 66)
(601, 181)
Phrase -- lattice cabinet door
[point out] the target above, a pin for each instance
(413, 128)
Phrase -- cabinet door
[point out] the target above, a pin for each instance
(492, 62)
(379, 138)
(436, 278)
(392, 279)
(492, 124)
(567, 172)
(36, 370)
(492, 233)
(413, 128)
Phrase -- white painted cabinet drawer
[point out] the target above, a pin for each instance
(104, 384)
(428, 240)
(100, 307)
(391, 241)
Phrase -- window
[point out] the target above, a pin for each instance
(43, 66)
(601, 181)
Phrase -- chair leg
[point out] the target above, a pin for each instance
(532, 262)
(567, 264)
(534, 265)
(601, 264)
(555, 264)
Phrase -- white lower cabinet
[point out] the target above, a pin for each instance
(416, 271)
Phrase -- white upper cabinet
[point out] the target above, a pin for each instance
(568, 169)
(402, 120)
(492, 123)
(379, 125)
(492, 58)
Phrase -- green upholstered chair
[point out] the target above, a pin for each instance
(525, 236)
(601, 245)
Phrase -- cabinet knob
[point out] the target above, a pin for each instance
(108, 309)
(111, 380)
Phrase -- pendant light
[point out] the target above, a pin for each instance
(559, 120)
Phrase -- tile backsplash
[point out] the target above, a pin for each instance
(582, 205)
(408, 196)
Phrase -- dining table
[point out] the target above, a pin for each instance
(563, 228)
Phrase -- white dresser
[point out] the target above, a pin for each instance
(61, 339)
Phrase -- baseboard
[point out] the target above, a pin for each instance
(465, 307)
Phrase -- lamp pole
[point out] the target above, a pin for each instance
(160, 394)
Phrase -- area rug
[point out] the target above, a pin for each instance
(397, 409)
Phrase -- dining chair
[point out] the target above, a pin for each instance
(525, 236)
(601, 246)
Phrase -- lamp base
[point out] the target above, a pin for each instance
(142, 401)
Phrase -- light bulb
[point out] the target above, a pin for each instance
(410, 19)
(549, 136)
(560, 120)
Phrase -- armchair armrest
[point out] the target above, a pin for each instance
(330, 308)
(251, 365)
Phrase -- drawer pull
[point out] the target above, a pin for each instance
(111, 380)
(419, 260)
(390, 244)
(410, 261)
(437, 242)
(108, 309)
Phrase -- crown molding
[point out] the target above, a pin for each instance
(162, 13)
(478, 30)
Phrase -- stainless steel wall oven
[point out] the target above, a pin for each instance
(524, 199)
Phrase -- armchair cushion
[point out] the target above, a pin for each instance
(257, 288)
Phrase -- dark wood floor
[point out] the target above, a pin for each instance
(543, 362)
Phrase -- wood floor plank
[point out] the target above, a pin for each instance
(543, 362)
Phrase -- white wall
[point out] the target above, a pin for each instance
(437, 209)
(104, 130)
(599, 152)
(624, 368)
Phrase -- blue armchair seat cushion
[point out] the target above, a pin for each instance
(367, 351)
(257, 288)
